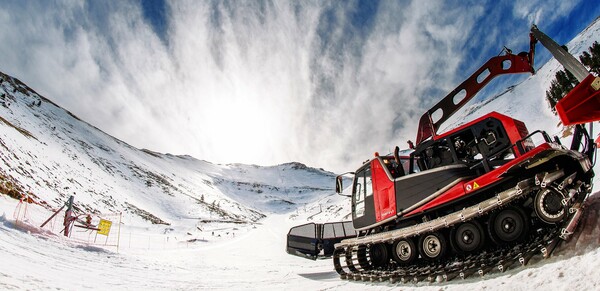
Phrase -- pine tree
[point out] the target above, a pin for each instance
(564, 81)
(592, 61)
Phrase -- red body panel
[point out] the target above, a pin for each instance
(516, 130)
(581, 105)
(473, 186)
(384, 194)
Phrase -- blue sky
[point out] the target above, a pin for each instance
(326, 83)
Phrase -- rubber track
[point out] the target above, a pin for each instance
(499, 260)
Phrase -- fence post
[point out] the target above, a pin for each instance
(119, 235)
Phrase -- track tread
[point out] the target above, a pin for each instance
(506, 256)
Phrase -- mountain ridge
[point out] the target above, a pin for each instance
(51, 154)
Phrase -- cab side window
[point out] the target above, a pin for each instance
(363, 187)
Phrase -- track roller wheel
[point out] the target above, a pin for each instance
(432, 246)
(467, 237)
(548, 205)
(361, 257)
(379, 255)
(404, 251)
(509, 225)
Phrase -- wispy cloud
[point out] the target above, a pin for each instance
(537, 11)
(265, 82)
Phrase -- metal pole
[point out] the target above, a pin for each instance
(68, 221)
(53, 215)
(119, 234)
(563, 57)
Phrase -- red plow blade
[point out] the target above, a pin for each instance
(582, 104)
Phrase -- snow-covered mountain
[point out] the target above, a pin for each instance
(51, 154)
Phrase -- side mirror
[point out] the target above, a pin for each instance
(339, 187)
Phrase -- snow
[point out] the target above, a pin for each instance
(254, 260)
(223, 226)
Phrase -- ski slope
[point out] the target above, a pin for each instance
(255, 260)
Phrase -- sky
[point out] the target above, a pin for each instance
(325, 83)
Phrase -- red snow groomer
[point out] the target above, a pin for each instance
(480, 197)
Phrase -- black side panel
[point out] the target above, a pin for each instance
(303, 241)
(313, 241)
(491, 135)
(414, 188)
(334, 233)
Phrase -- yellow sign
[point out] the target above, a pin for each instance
(470, 187)
(104, 227)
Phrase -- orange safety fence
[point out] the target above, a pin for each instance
(87, 228)
(103, 230)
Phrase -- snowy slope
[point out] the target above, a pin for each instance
(51, 154)
(255, 261)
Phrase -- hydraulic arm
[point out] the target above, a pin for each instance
(581, 105)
